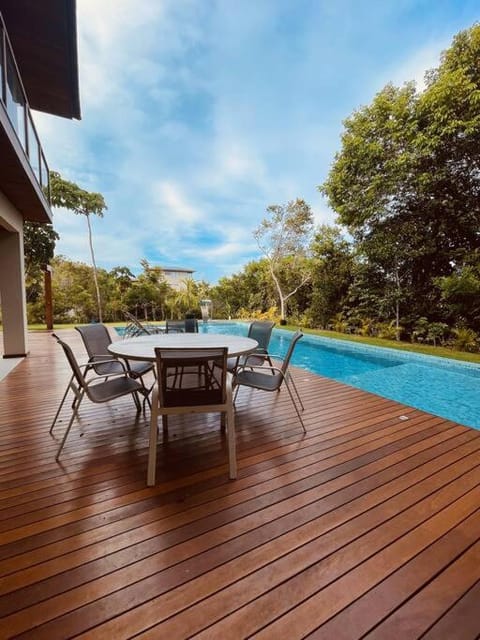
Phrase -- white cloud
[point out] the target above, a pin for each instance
(173, 204)
(416, 64)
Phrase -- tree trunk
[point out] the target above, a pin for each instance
(99, 302)
(397, 305)
(280, 294)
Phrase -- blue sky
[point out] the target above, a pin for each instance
(198, 114)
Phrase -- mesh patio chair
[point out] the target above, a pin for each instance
(136, 328)
(96, 339)
(175, 326)
(261, 331)
(98, 389)
(271, 378)
(191, 381)
(191, 325)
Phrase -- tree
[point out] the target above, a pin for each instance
(74, 295)
(332, 265)
(187, 296)
(406, 181)
(286, 234)
(70, 196)
(38, 247)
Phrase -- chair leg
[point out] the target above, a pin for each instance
(295, 405)
(67, 430)
(290, 377)
(231, 441)
(137, 401)
(152, 447)
(61, 405)
(235, 393)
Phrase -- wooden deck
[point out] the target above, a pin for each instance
(367, 527)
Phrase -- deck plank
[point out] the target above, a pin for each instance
(354, 529)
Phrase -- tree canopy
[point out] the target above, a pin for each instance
(406, 182)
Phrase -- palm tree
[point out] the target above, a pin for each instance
(187, 297)
(70, 196)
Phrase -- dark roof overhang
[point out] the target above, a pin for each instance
(43, 34)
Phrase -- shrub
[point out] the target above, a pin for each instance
(367, 327)
(437, 331)
(388, 330)
(420, 329)
(339, 323)
(465, 339)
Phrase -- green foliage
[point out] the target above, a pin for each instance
(406, 183)
(283, 237)
(339, 323)
(461, 293)
(465, 339)
(388, 330)
(70, 196)
(368, 327)
(256, 314)
(332, 274)
(437, 332)
(38, 247)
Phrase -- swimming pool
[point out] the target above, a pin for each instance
(440, 386)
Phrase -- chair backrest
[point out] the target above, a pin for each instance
(286, 361)
(96, 340)
(135, 327)
(191, 377)
(175, 326)
(191, 325)
(77, 373)
(261, 331)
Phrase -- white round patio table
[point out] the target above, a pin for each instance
(143, 347)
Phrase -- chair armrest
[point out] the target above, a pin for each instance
(84, 365)
(110, 375)
(260, 368)
(93, 363)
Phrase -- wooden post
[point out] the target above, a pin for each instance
(48, 297)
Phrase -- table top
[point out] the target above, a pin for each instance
(143, 347)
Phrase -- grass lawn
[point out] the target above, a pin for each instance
(441, 352)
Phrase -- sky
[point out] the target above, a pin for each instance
(199, 114)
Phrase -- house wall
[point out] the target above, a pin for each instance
(176, 278)
(12, 281)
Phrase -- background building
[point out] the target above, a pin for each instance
(175, 276)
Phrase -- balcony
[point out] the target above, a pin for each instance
(24, 171)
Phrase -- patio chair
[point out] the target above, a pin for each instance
(191, 325)
(98, 389)
(175, 326)
(261, 331)
(191, 381)
(136, 328)
(96, 339)
(271, 378)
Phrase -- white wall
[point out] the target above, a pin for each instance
(12, 280)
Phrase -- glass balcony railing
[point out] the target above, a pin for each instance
(14, 100)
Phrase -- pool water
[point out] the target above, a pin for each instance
(439, 386)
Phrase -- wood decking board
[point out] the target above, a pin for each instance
(367, 526)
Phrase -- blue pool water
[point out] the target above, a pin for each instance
(440, 386)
